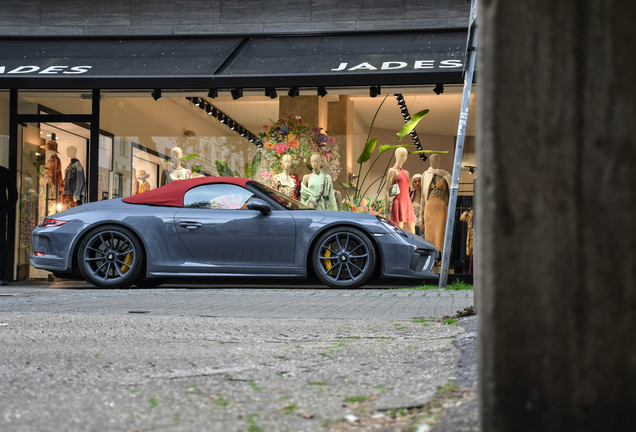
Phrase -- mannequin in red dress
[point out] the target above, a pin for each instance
(402, 213)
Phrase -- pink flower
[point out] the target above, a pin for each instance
(332, 140)
(280, 148)
(266, 175)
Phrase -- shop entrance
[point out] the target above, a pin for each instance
(53, 177)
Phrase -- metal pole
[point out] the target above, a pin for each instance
(471, 54)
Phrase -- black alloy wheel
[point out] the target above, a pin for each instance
(110, 256)
(344, 258)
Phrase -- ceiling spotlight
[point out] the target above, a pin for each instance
(222, 118)
(439, 89)
(271, 92)
(213, 93)
(397, 96)
(208, 109)
(293, 92)
(322, 92)
(156, 94)
(233, 125)
(197, 101)
(214, 112)
(471, 170)
(237, 93)
(374, 91)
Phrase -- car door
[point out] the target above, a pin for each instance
(216, 227)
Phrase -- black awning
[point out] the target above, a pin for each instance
(369, 59)
(405, 58)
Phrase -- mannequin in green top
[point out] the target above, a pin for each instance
(316, 189)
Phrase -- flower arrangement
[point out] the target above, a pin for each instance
(291, 136)
(368, 205)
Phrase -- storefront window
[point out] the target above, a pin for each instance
(54, 102)
(145, 144)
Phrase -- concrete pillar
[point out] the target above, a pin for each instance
(556, 155)
(312, 109)
(340, 126)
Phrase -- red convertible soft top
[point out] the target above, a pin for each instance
(171, 195)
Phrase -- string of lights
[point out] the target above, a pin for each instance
(405, 113)
(225, 120)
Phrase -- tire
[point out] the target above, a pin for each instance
(110, 256)
(344, 258)
(150, 283)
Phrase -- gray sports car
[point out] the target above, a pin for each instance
(223, 226)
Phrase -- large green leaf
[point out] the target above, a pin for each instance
(410, 125)
(190, 156)
(251, 168)
(386, 147)
(223, 169)
(368, 149)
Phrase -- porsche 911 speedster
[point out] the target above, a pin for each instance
(223, 226)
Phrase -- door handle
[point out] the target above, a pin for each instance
(190, 225)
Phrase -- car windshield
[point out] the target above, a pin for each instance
(289, 203)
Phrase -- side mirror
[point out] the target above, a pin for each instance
(260, 205)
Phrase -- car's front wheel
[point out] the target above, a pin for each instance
(110, 256)
(344, 258)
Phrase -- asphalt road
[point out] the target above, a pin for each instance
(75, 358)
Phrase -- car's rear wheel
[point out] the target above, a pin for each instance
(110, 256)
(344, 258)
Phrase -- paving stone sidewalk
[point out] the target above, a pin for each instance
(306, 303)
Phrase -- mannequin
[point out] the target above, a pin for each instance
(435, 192)
(316, 190)
(178, 172)
(74, 192)
(402, 213)
(142, 179)
(285, 181)
(416, 197)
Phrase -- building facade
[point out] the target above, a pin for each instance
(115, 87)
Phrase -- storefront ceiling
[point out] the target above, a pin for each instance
(403, 58)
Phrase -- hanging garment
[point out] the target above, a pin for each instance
(435, 210)
(75, 182)
(53, 171)
(402, 207)
(135, 186)
(319, 193)
(467, 217)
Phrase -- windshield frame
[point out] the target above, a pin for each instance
(279, 198)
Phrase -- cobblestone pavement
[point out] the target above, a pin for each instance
(75, 358)
(306, 303)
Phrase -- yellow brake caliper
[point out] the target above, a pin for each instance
(327, 254)
(128, 261)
